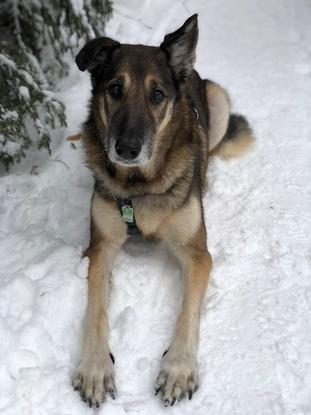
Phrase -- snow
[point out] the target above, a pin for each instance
(24, 92)
(255, 343)
(6, 61)
(13, 115)
(10, 147)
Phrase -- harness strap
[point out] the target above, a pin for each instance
(125, 206)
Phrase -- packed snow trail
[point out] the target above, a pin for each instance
(255, 345)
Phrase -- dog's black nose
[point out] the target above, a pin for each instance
(128, 150)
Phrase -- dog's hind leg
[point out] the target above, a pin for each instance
(219, 106)
(179, 374)
(229, 134)
(94, 377)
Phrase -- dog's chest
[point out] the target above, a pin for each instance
(165, 222)
(150, 216)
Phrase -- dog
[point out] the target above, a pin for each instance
(152, 125)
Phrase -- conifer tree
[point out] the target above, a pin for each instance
(37, 39)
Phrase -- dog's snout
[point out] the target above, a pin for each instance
(128, 150)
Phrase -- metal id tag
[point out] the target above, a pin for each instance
(127, 214)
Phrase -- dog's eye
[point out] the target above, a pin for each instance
(115, 90)
(156, 96)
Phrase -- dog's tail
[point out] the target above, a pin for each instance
(237, 140)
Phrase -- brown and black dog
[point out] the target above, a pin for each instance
(152, 125)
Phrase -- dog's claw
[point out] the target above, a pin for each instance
(112, 357)
(175, 384)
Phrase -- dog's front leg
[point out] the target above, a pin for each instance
(179, 374)
(94, 377)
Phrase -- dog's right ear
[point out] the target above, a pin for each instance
(95, 52)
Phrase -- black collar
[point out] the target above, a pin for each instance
(127, 214)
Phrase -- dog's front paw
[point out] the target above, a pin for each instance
(177, 379)
(94, 379)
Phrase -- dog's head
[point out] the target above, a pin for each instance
(136, 87)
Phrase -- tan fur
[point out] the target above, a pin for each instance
(182, 224)
(180, 361)
(197, 270)
(102, 110)
(95, 373)
(127, 80)
(175, 226)
(219, 112)
(167, 117)
(150, 78)
(107, 220)
(235, 148)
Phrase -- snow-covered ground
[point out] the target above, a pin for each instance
(255, 348)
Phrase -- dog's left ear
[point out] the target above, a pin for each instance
(180, 47)
(95, 52)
